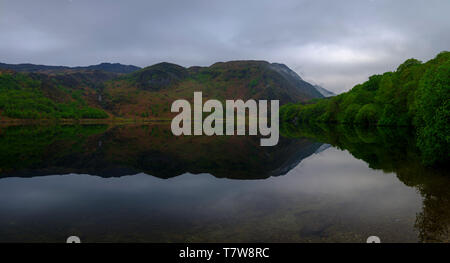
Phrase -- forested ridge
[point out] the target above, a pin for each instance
(415, 95)
(22, 97)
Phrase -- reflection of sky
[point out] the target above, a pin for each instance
(331, 186)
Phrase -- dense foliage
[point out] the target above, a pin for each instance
(21, 97)
(417, 95)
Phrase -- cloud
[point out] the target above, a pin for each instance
(334, 43)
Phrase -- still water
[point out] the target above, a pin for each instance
(138, 183)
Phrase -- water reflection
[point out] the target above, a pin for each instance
(111, 151)
(369, 182)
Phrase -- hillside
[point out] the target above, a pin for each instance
(149, 92)
(324, 92)
(107, 91)
(40, 96)
(416, 94)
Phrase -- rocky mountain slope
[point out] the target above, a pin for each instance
(107, 90)
(324, 92)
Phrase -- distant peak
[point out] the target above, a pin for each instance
(234, 63)
(324, 92)
(104, 66)
(167, 64)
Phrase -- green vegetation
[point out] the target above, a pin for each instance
(416, 95)
(64, 93)
(21, 97)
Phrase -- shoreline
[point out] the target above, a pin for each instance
(14, 122)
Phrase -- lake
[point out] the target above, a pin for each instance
(139, 183)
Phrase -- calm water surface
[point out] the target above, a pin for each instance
(100, 187)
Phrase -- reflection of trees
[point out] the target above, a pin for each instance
(130, 149)
(392, 150)
(433, 223)
(29, 146)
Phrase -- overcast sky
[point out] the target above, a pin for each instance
(336, 44)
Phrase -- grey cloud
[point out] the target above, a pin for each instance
(333, 43)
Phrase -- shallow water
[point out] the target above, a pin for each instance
(301, 191)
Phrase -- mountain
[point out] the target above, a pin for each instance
(326, 93)
(111, 67)
(272, 79)
(113, 90)
(107, 67)
(150, 91)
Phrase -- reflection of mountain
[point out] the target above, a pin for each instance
(152, 149)
(322, 148)
(393, 150)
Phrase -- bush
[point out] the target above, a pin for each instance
(367, 115)
(433, 114)
(350, 113)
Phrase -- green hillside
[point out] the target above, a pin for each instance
(24, 97)
(417, 94)
(53, 92)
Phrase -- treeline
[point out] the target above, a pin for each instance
(385, 148)
(417, 95)
(21, 97)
